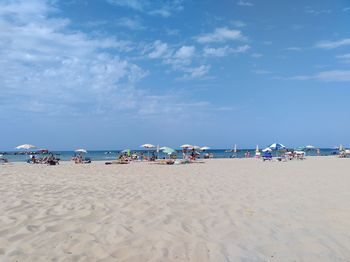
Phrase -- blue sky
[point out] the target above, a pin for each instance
(119, 73)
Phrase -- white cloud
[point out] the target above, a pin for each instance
(179, 60)
(221, 34)
(161, 12)
(195, 72)
(130, 23)
(151, 7)
(294, 48)
(257, 55)
(333, 44)
(310, 10)
(159, 50)
(345, 58)
(261, 72)
(47, 68)
(134, 4)
(224, 51)
(185, 52)
(238, 23)
(326, 76)
(267, 42)
(244, 3)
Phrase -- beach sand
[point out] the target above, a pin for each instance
(222, 210)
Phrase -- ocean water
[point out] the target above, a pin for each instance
(104, 155)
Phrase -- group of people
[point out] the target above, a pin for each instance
(190, 154)
(49, 159)
(80, 159)
(289, 155)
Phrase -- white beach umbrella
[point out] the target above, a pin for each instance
(204, 148)
(186, 146)
(267, 149)
(148, 146)
(257, 149)
(196, 147)
(309, 147)
(25, 146)
(81, 151)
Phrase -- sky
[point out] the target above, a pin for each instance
(113, 74)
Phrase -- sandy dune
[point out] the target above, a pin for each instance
(223, 210)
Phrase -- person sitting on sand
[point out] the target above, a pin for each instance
(3, 159)
(33, 159)
(78, 159)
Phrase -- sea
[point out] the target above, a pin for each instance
(107, 155)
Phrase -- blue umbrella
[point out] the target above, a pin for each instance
(277, 146)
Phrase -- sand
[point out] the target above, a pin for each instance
(222, 210)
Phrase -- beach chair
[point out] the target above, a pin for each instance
(266, 156)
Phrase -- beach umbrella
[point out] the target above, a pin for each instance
(309, 147)
(267, 149)
(168, 150)
(196, 147)
(204, 148)
(148, 146)
(277, 146)
(25, 146)
(341, 148)
(186, 146)
(83, 151)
